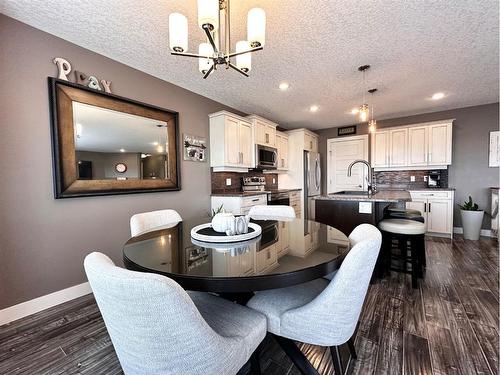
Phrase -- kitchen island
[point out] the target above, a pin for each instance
(346, 210)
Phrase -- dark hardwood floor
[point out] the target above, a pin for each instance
(447, 326)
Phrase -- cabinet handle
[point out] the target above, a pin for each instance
(429, 207)
(267, 138)
(425, 207)
(255, 200)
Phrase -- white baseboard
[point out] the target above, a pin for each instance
(484, 232)
(44, 302)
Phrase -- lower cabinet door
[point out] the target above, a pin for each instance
(420, 205)
(438, 214)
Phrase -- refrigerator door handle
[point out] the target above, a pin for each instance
(318, 175)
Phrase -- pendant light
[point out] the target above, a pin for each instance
(372, 125)
(364, 109)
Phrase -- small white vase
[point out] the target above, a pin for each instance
(222, 222)
(471, 223)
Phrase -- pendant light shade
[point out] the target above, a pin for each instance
(363, 113)
(372, 126)
(256, 27)
(178, 32)
(208, 13)
(243, 62)
(205, 49)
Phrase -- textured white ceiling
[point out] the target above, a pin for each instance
(415, 47)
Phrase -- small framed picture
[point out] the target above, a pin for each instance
(346, 130)
(195, 148)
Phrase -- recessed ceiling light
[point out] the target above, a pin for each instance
(313, 108)
(284, 86)
(122, 150)
(438, 96)
(354, 111)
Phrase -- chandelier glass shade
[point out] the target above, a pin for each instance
(211, 14)
(372, 124)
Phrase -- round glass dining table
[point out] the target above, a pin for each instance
(286, 253)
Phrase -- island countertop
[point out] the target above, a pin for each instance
(379, 196)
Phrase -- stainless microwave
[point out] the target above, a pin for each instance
(266, 157)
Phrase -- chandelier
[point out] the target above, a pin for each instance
(212, 54)
(364, 109)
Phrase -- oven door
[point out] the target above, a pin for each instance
(266, 157)
(270, 233)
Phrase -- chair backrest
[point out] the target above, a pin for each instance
(148, 221)
(335, 311)
(153, 323)
(272, 212)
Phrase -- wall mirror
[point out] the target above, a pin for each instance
(105, 144)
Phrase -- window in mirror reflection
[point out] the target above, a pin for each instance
(118, 146)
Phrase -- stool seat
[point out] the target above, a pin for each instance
(402, 226)
(404, 211)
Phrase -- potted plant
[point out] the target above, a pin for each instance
(472, 219)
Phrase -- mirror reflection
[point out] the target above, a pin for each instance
(112, 145)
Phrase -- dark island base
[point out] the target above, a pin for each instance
(345, 216)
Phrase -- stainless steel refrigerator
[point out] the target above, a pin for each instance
(312, 182)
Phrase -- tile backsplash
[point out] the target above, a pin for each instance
(219, 181)
(402, 179)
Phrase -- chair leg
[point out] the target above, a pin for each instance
(352, 349)
(255, 361)
(298, 358)
(337, 364)
(414, 270)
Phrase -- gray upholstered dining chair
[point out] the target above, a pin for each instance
(148, 221)
(158, 328)
(322, 312)
(272, 212)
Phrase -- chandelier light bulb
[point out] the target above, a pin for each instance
(243, 62)
(256, 27)
(205, 49)
(178, 32)
(208, 14)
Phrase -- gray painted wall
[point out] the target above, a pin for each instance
(42, 240)
(469, 172)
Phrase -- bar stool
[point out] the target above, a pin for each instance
(410, 236)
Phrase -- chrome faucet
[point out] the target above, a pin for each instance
(371, 188)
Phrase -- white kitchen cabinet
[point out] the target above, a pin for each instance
(310, 142)
(439, 140)
(436, 208)
(380, 149)
(283, 243)
(282, 146)
(264, 130)
(398, 145)
(231, 143)
(417, 146)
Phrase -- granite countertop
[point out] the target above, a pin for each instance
(252, 193)
(380, 196)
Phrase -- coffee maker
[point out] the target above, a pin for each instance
(434, 179)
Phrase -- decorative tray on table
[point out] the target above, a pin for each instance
(206, 233)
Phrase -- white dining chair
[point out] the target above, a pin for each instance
(322, 312)
(272, 212)
(358, 234)
(148, 221)
(156, 327)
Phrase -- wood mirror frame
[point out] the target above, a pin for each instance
(66, 183)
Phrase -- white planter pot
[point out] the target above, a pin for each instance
(471, 222)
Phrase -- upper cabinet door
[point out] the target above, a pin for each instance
(308, 142)
(245, 144)
(231, 141)
(265, 133)
(417, 146)
(380, 149)
(398, 147)
(284, 152)
(439, 144)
